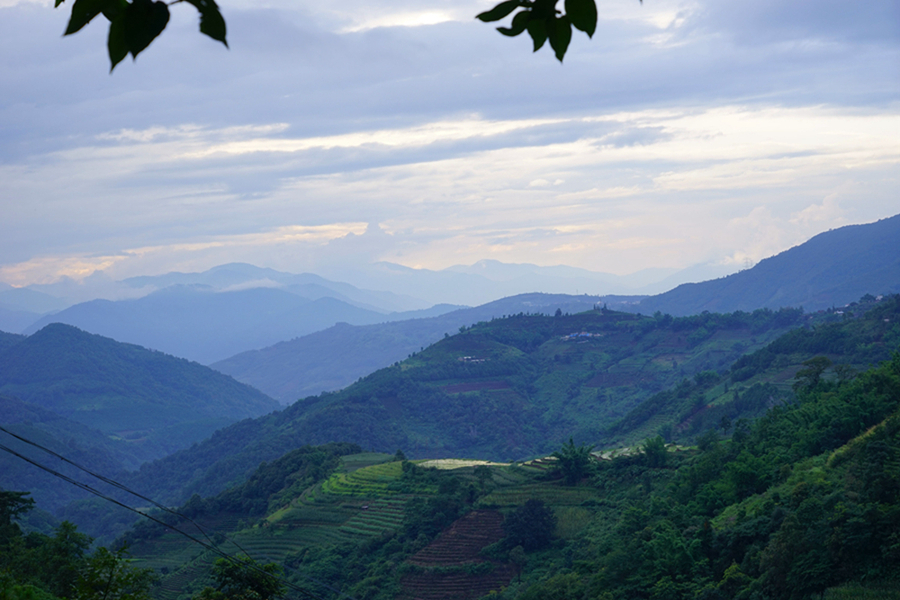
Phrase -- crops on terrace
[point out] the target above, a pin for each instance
(551, 494)
(371, 482)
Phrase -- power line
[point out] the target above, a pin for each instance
(118, 485)
(125, 488)
(210, 547)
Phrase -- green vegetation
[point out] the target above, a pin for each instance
(58, 567)
(502, 390)
(797, 503)
(156, 403)
(783, 483)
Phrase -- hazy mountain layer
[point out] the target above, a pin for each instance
(487, 280)
(156, 402)
(203, 325)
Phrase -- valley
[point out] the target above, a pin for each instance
(708, 443)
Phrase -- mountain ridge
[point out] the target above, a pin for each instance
(831, 269)
(156, 401)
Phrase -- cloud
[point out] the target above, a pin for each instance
(685, 131)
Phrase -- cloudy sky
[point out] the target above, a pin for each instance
(335, 134)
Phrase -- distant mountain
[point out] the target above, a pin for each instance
(198, 323)
(488, 280)
(155, 402)
(25, 299)
(20, 307)
(237, 276)
(336, 357)
(14, 321)
(832, 269)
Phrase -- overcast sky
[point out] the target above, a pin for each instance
(334, 134)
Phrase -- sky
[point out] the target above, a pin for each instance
(332, 135)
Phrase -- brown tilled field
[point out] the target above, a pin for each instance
(475, 386)
(458, 546)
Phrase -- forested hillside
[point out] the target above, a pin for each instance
(153, 401)
(334, 358)
(802, 503)
(502, 389)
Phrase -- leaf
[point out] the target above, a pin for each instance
(537, 29)
(58, 2)
(583, 15)
(519, 23)
(543, 9)
(560, 33)
(115, 43)
(211, 21)
(82, 13)
(113, 9)
(496, 13)
(144, 20)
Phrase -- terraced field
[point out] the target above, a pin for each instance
(455, 586)
(554, 495)
(361, 502)
(367, 482)
(376, 518)
(445, 566)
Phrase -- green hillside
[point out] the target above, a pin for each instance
(336, 357)
(504, 389)
(9, 339)
(850, 340)
(65, 437)
(155, 402)
(803, 503)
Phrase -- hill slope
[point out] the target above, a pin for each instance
(157, 402)
(503, 389)
(831, 269)
(800, 504)
(68, 438)
(334, 358)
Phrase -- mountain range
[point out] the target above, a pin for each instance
(201, 324)
(832, 269)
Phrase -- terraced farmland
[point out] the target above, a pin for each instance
(367, 482)
(554, 495)
(445, 565)
(381, 516)
(463, 541)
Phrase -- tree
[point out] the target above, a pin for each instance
(574, 462)
(133, 25)
(108, 576)
(544, 22)
(483, 474)
(518, 558)
(244, 579)
(12, 504)
(530, 526)
(655, 452)
(809, 377)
